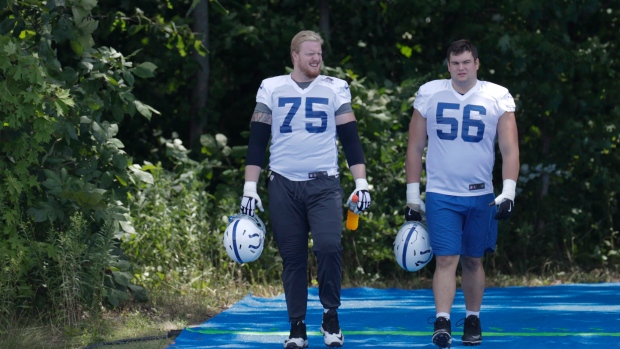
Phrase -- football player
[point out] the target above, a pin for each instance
(461, 118)
(303, 114)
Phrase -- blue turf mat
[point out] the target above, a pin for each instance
(581, 315)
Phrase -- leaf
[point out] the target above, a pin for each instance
(115, 296)
(129, 79)
(192, 7)
(65, 97)
(135, 29)
(219, 7)
(76, 47)
(7, 25)
(85, 4)
(39, 215)
(121, 180)
(121, 277)
(207, 140)
(221, 140)
(127, 227)
(90, 197)
(119, 161)
(145, 70)
(87, 26)
(138, 292)
(142, 175)
(142, 109)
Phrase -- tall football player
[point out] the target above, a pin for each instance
(303, 113)
(462, 117)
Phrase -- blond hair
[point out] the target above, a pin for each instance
(303, 36)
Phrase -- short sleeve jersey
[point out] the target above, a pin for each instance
(303, 128)
(461, 130)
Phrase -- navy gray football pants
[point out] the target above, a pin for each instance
(297, 208)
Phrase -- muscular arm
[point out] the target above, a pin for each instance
(415, 147)
(508, 140)
(252, 172)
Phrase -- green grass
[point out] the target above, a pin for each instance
(175, 308)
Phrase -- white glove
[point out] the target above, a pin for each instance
(250, 200)
(363, 196)
(414, 201)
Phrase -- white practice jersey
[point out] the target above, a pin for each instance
(462, 130)
(303, 128)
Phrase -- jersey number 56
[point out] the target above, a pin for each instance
(468, 122)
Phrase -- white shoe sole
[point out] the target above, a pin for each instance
(332, 340)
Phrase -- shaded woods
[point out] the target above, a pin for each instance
(124, 125)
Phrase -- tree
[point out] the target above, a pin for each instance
(65, 176)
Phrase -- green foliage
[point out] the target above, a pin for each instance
(180, 219)
(67, 89)
(557, 61)
(60, 157)
(158, 32)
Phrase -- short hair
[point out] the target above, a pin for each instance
(460, 46)
(303, 36)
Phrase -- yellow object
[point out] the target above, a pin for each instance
(352, 217)
(352, 220)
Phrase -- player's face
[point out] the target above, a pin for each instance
(308, 60)
(463, 69)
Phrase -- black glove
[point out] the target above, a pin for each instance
(411, 215)
(504, 210)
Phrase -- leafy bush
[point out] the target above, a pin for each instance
(60, 158)
(180, 219)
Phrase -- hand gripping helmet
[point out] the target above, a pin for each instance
(412, 247)
(244, 238)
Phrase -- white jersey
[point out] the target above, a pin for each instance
(462, 130)
(303, 126)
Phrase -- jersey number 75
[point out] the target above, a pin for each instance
(310, 113)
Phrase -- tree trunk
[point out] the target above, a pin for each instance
(200, 95)
(324, 18)
(324, 27)
(544, 186)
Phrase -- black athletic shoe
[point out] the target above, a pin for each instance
(442, 337)
(298, 338)
(332, 335)
(472, 332)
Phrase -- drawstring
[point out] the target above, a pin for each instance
(300, 187)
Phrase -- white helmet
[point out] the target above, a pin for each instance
(244, 238)
(412, 247)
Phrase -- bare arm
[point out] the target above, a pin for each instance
(262, 117)
(508, 140)
(415, 147)
(344, 118)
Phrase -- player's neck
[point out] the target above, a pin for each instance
(298, 77)
(463, 87)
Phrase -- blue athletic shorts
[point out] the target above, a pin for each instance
(461, 225)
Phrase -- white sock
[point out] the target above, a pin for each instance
(446, 315)
(469, 312)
